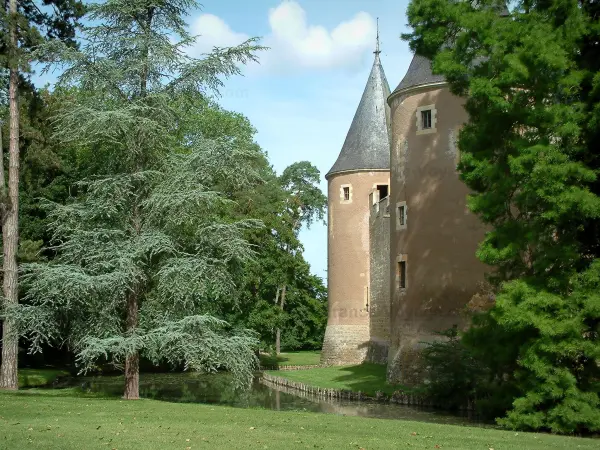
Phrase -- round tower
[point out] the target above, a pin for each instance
(361, 168)
(433, 236)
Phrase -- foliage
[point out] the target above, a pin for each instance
(38, 22)
(283, 203)
(452, 372)
(147, 244)
(305, 315)
(529, 154)
(29, 378)
(560, 372)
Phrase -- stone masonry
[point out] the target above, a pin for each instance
(379, 289)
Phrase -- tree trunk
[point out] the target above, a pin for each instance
(132, 362)
(10, 220)
(278, 332)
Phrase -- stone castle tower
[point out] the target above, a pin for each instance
(434, 272)
(401, 241)
(361, 167)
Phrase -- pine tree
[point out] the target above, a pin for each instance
(22, 23)
(529, 153)
(146, 247)
(10, 212)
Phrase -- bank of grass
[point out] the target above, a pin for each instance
(29, 378)
(367, 378)
(63, 419)
(304, 358)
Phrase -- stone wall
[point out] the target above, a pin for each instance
(438, 238)
(345, 344)
(305, 390)
(379, 289)
(290, 368)
(347, 334)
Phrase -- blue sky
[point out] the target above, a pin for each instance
(303, 95)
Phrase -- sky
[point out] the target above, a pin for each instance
(303, 94)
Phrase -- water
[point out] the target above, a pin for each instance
(218, 389)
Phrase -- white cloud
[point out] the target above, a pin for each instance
(293, 42)
(212, 31)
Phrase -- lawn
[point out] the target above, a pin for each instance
(60, 419)
(39, 377)
(367, 378)
(305, 358)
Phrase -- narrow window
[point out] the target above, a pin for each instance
(426, 119)
(402, 215)
(383, 191)
(402, 274)
(346, 193)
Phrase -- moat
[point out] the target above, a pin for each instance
(218, 390)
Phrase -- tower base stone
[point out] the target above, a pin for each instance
(406, 365)
(378, 351)
(345, 345)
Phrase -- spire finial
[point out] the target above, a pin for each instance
(377, 51)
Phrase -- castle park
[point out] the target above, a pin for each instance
(289, 224)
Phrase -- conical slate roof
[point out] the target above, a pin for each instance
(367, 144)
(418, 73)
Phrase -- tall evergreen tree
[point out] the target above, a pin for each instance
(146, 247)
(10, 212)
(24, 25)
(530, 154)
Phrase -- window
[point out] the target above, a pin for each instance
(401, 216)
(426, 119)
(402, 274)
(426, 116)
(346, 193)
(383, 191)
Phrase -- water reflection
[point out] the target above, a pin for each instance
(218, 389)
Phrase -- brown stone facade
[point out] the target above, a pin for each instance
(435, 241)
(379, 288)
(347, 334)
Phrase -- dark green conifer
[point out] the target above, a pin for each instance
(530, 154)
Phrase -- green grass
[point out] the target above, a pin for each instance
(306, 358)
(39, 377)
(367, 378)
(60, 419)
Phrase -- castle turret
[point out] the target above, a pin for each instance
(434, 272)
(361, 168)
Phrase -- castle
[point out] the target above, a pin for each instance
(401, 240)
